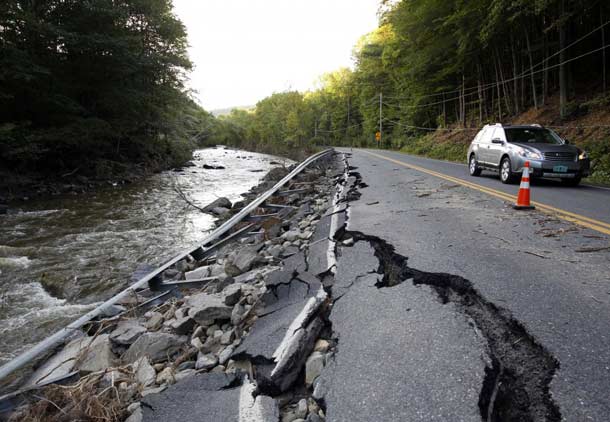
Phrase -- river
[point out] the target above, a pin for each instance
(60, 257)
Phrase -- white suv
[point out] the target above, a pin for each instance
(506, 149)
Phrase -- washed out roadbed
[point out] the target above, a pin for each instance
(219, 336)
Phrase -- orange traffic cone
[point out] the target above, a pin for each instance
(523, 199)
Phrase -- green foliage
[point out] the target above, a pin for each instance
(599, 153)
(98, 81)
(437, 63)
(430, 147)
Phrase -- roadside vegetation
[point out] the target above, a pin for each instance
(93, 89)
(435, 71)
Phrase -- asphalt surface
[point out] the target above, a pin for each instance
(587, 200)
(402, 352)
(401, 355)
(418, 364)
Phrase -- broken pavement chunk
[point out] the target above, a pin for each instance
(206, 307)
(87, 354)
(127, 332)
(157, 346)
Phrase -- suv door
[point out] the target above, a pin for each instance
(483, 148)
(495, 151)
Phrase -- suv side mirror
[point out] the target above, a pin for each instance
(566, 142)
(497, 141)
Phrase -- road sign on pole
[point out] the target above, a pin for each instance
(378, 136)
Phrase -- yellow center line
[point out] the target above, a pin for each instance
(581, 220)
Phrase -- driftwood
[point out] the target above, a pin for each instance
(593, 249)
(185, 198)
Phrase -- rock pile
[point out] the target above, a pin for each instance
(143, 350)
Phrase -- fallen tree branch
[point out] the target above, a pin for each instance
(186, 198)
(593, 249)
(71, 173)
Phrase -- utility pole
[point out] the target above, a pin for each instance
(380, 117)
(563, 79)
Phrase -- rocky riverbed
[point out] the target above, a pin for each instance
(60, 256)
(250, 315)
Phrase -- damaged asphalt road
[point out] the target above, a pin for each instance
(416, 300)
(489, 320)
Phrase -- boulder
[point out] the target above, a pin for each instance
(166, 376)
(227, 337)
(155, 321)
(225, 355)
(322, 346)
(157, 346)
(212, 345)
(313, 367)
(220, 211)
(185, 374)
(205, 307)
(246, 258)
(144, 372)
(232, 293)
(296, 412)
(183, 325)
(136, 416)
(220, 202)
(196, 343)
(207, 361)
(86, 354)
(127, 332)
(291, 236)
(275, 250)
(96, 355)
(237, 314)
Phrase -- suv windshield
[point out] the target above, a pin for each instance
(532, 135)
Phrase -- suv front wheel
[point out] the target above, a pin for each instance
(506, 172)
(473, 167)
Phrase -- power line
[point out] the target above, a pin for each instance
(492, 85)
(570, 45)
(431, 129)
(341, 129)
(522, 75)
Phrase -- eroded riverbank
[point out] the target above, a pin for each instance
(58, 257)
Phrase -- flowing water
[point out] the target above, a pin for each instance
(60, 257)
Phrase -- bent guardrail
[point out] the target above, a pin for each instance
(56, 338)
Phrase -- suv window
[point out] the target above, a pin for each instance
(499, 134)
(532, 135)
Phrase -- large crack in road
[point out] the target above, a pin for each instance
(519, 371)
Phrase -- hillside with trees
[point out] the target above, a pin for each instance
(93, 88)
(435, 71)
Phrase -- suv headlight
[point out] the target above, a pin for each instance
(583, 155)
(529, 154)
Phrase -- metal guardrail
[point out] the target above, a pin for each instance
(61, 335)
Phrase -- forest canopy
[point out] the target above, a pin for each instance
(443, 64)
(93, 85)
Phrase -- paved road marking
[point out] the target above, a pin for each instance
(581, 220)
(465, 165)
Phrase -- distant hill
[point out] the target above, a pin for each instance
(225, 111)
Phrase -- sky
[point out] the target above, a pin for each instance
(245, 50)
